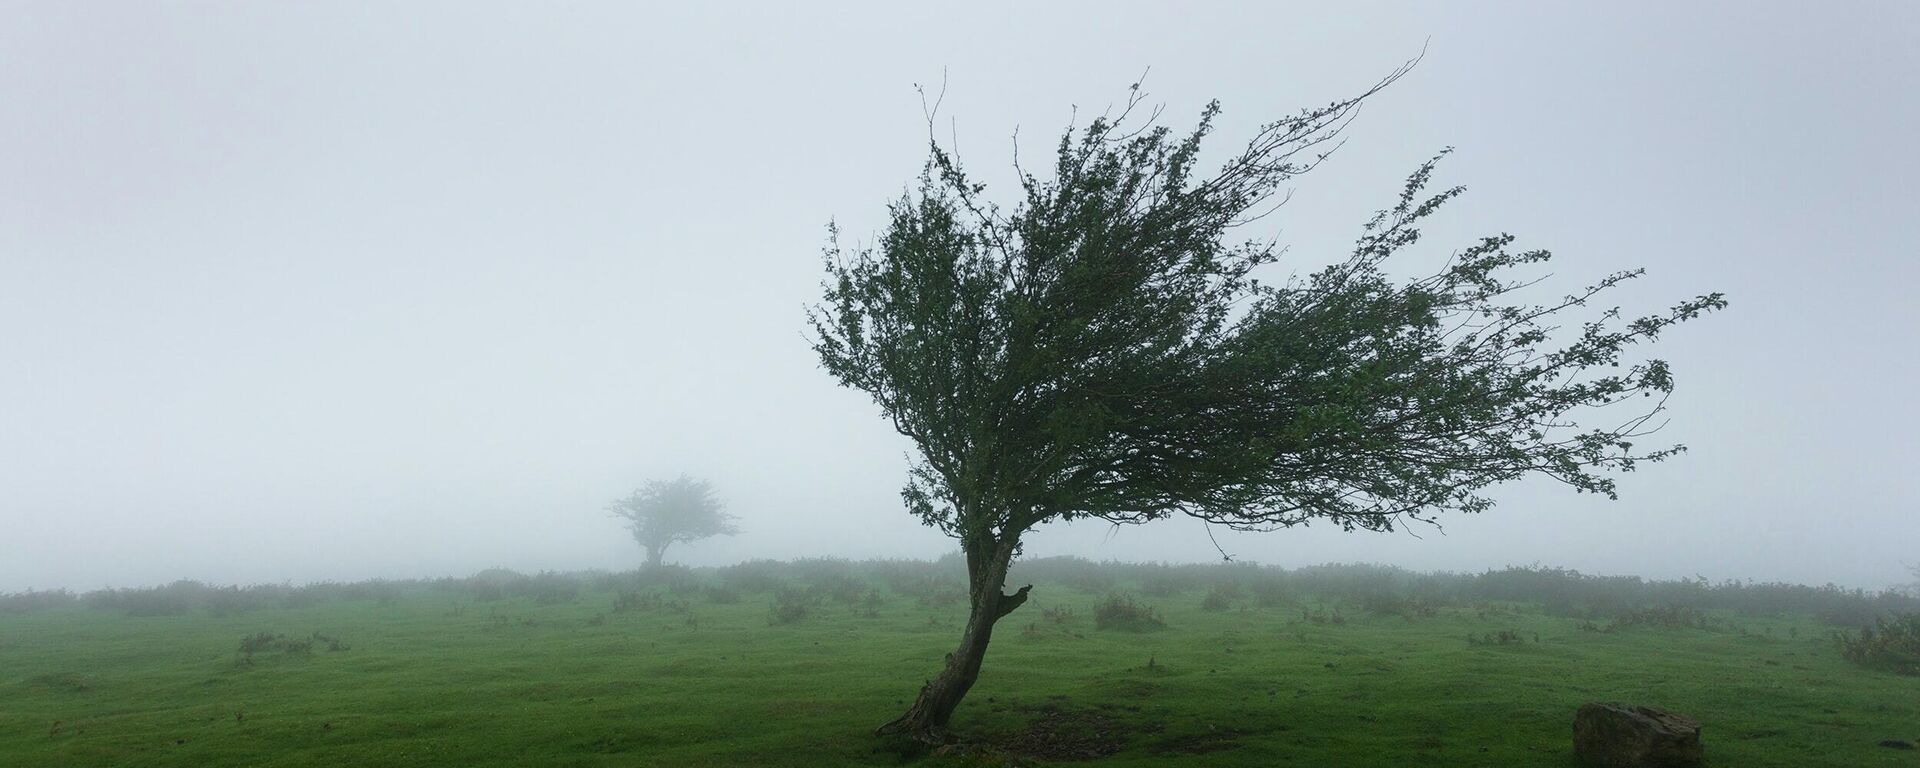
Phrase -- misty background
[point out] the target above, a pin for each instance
(338, 291)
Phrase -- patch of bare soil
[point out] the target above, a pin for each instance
(1066, 735)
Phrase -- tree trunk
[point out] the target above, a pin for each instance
(654, 554)
(927, 719)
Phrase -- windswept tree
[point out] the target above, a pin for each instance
(666, 512)
(1102, 348)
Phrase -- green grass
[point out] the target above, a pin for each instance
(431, 680)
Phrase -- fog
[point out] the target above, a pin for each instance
(338, 291)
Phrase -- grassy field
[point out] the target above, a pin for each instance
(697, 676)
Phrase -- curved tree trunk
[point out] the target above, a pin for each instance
(655, 552)
(927, 719)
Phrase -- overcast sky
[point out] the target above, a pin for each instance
(334, 291)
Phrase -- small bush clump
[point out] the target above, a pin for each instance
(929, 588)
(753, 576)
(491, 584)
(870, 605)
(630, 600)
(1390, 604)
(1219, 598)
(547, 588)
(675, 579)
(790, 606)
(265, 642)
(830, 579)
(1891, 643)
(1122, 613)
(1270, 594)
(941, 598)
(1502, 637)
(1669, 616)
(23, 602)
(332, 644)
(171, 600)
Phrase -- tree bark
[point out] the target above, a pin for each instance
(655, 553)
(927, 719)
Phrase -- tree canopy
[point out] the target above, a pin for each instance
(1111, 346)
(666, 512)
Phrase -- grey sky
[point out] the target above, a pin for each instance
(331, 291)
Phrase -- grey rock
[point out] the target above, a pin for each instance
(1615, 735)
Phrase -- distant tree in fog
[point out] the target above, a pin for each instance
(1101, 349)
(666, 512)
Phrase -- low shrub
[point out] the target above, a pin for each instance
(1891, 643)
(840, 589)
(546, 588)
(830, 579)
(753, 577)
(1389, 604)
(929, 589)
(30, 600)
(264, 642)
(870, 605)
(1502, 637)
(1269, 594)
(489, 585)
(1667, 616)
(675, 579)
(1122, 613)
(233, 601)
(941, 598)
(171, 600)
(332, 644)
(626, 601)
(790, 606)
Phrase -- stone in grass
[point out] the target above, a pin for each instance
(1614, 735)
